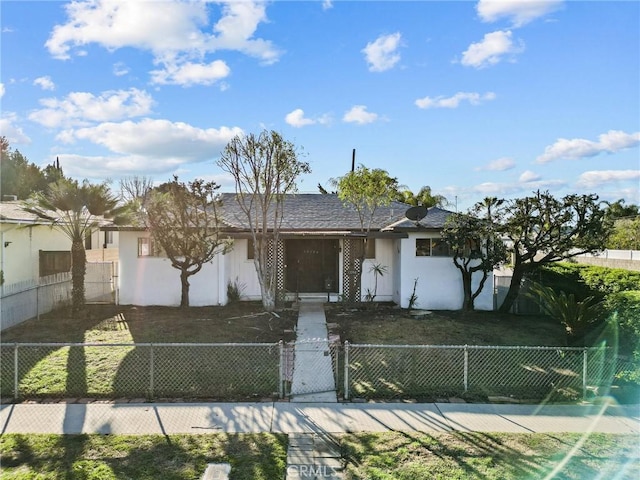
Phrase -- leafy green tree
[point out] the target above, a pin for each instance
(424, 197)
(366, 190)
(22, 178)
(265, 168)
(477, 248)
(76, 210)
(183, 220)
(618, 209)
(625, 234)
(541, 229)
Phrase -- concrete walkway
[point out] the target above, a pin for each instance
(313, 379)
(291, 418)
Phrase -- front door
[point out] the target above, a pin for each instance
(311, 264)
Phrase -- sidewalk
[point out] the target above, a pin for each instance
(290, 418)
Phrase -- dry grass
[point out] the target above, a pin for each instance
(388, 325)
(235, 323)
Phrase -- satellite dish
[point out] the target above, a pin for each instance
(416, 213)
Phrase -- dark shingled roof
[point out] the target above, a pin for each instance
(435, 219)
(326, 214)
(315, 211)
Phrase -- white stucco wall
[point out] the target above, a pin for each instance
(20, 259)
(439, 281)
(384, 258)
(153, 281)
(238, 266)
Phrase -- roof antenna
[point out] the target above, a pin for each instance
(353, 160)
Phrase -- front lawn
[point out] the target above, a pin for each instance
(490, 456)
(368, 456)
(387, 325)
(152, 457)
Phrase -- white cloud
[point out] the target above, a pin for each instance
(327, 4)
(499, 165)
(188, 73)
(576, 148)
(528, 176)
(120, 69)
(595, 178)
(78, 108)
(454, 101)
(358, 114)
(2, 90)
(150, 145)
(382, 54)
(491, 49)
(297, 119)
(156, 138)
(519, 11)
(175, 32)
(519, 187)
(10, 129)
(45, 83)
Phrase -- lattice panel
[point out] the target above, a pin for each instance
(280, 272)
(351, 273)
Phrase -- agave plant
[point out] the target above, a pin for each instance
(576, 316)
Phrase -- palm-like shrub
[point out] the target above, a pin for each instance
(76, 210)
(576, 316)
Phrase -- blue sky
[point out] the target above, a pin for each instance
(474, 99)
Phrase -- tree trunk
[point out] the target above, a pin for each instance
(78, 269)
(514, 289)
(268, 299)
(184, 280)
(468, 301)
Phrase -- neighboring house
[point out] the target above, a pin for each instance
(316, 255)
(29, 247)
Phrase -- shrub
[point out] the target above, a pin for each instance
(576, 316)
(624, 315)
(234, 290)
(587, 280)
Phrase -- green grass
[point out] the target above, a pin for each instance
(96, 457)
(214, 372)
(447, 456)
(369, 456)
(220, 372)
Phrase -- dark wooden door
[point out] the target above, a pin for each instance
(311, 264)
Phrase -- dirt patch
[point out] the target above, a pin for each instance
(244, 322)
(391, 325)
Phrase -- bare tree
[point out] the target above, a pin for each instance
(265, 168)
(135, 188)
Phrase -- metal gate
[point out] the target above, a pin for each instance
(100, 282)
(311, 370)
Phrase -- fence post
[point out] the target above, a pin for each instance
(584, 373)
(151, 366)
(281, 369)
(15, 372)
(346, 370)
(466, 369)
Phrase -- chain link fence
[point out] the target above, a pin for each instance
(435, 371)
(62, 370)
(242, 371)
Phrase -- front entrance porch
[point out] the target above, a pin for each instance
(311, 265)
